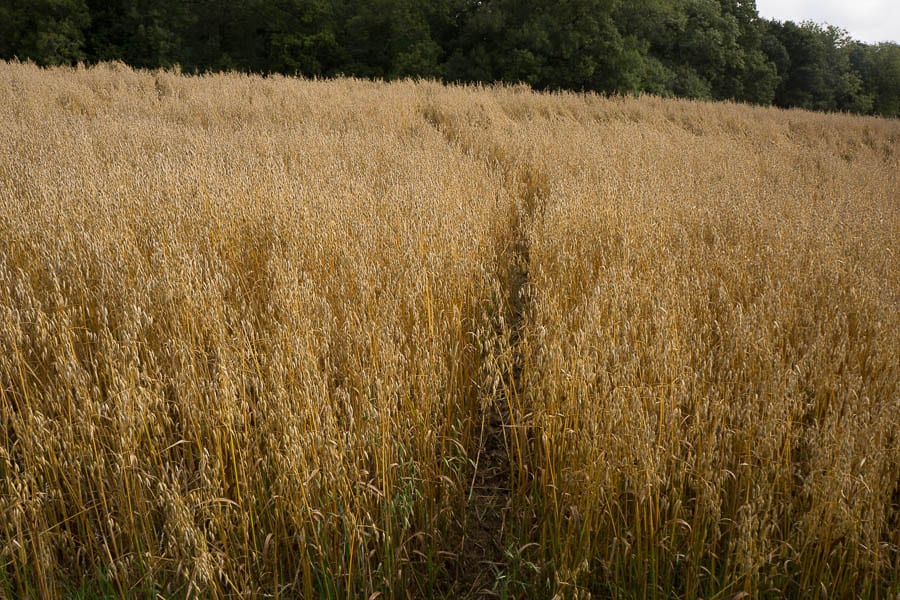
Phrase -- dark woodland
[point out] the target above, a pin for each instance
(705, 49)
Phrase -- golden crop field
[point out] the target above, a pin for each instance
(279, 338)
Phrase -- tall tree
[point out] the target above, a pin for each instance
(49, 32)
(879, 68)
(819, 73)
(750, 76)
(393, 38)
(224, 35)
(475, 53)
(301, 37)
(143, 33)
(572, 44)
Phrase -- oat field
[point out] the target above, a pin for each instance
(280, 338)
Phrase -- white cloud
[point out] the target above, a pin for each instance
(869, 21)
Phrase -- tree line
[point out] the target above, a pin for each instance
(706, 49)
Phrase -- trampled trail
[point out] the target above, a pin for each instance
(484, 554)
(485, 547)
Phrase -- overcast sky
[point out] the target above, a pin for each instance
(868, 21)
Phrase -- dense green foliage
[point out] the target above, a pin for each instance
(711, 49)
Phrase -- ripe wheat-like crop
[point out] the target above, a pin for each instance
(269, 337)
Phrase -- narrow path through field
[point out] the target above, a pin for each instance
(484, 559)
(483, 563)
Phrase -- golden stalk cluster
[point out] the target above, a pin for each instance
(256, 335)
